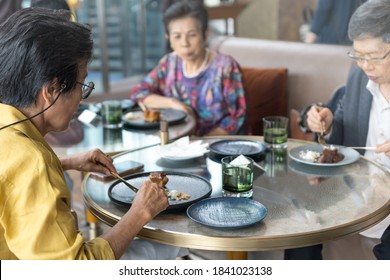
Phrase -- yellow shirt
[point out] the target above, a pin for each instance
(35, 217)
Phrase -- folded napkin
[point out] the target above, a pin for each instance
(183, 149)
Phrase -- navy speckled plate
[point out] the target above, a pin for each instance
(195, 186)
(172, 116)
(250, 148)
(227, 212)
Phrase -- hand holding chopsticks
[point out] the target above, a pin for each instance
(134, 189)
(116, 175)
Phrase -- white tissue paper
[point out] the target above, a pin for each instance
(183, 149)
(239, 161)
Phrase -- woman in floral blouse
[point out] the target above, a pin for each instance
(193, 79)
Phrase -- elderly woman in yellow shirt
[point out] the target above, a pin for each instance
(43, 66)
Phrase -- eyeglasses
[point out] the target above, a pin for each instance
(86, 89)
(372, 61)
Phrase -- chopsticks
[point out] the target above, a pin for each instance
(142, 106)
(134, 189)
(116, 175)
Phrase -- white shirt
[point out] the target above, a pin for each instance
(378, 133)
(379, 125)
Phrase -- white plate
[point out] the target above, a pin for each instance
(350, 155)
(183, 149)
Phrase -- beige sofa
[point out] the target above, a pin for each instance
(314, 71)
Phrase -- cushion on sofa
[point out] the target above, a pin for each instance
(266, 95)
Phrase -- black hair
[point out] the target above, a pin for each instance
(51, 4)
(38, 46)
(187, 8)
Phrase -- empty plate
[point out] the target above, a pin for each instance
(250, 148)
(227, 212)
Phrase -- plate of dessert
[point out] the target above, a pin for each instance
(182, 189)
(150, 118)
(314, 154)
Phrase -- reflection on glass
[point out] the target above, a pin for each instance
(112, 136)
(276, 162)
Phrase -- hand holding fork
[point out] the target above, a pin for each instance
(321, 136)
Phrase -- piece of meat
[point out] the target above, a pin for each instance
(160, 178)
(330, 156)
(151, 115)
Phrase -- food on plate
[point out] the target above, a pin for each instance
(175, 195)
(151, 115)
(160, 178)
(308, 155)
(328, 155)
(133, 116)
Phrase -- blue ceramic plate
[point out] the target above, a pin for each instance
(227, 212)
(350, 155)
(253, 149)
(195, 186)
(135, 118)
(318, 171)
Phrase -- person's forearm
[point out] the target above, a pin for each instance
(157, 101)
(217, 132)
(121, 235)
(67, 162)
(71, 162)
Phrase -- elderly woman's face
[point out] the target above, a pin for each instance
(186, 38)
(66, 106)
(373, 56)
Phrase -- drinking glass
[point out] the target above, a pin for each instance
(237, 180)
(275, 132)
(111, 112)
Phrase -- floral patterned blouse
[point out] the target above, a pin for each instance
(216, 94)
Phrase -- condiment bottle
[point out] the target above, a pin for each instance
(164, 134)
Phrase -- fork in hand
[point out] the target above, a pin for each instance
(321, 137)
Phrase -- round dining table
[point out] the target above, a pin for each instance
(306, 204)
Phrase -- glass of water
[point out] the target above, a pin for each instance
(275, 132)
(111, 112)
(237, 176)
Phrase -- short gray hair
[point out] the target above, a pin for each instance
(371, 20)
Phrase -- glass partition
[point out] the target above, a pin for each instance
(128, 38)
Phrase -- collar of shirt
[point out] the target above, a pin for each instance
(10, 114)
